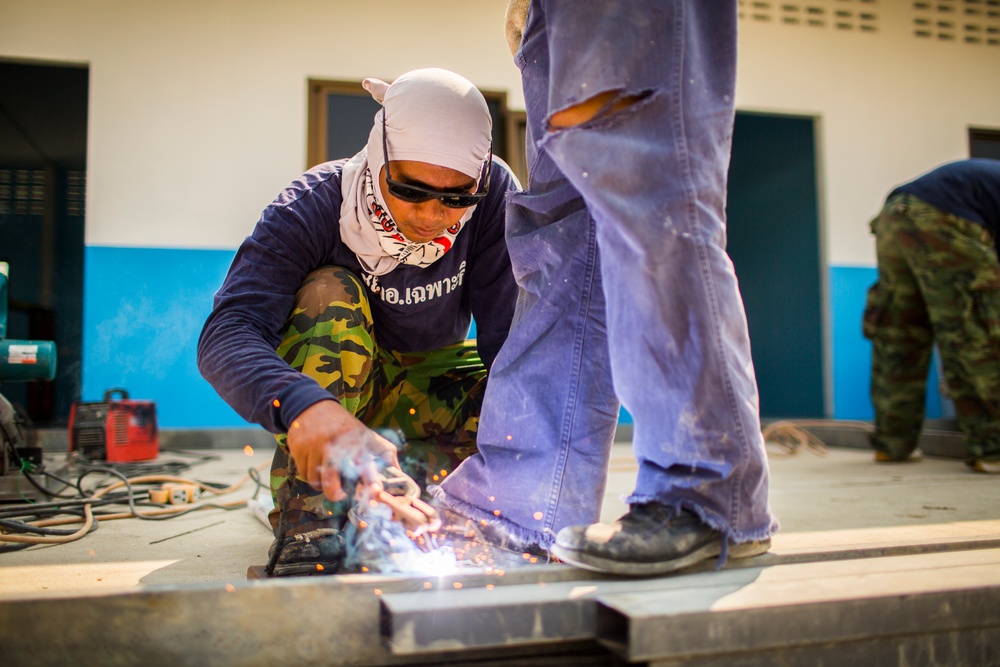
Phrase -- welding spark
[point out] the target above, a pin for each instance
(385, 534)
(248, 450)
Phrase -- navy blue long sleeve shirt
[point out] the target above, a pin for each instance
(969, 189)
(414, 308)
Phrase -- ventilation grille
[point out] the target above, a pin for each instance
(22, 192)
(847, 15)
(975, 22)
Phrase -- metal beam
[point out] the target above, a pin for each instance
(811, 605)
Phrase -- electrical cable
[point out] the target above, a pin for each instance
(790, 436)
(81, 509)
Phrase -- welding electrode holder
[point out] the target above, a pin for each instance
(407, 507)
(401, 495)
(399, 492)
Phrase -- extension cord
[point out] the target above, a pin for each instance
(261, 505)
(174, 494)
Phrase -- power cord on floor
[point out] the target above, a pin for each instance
(132, 485)
(789, 437)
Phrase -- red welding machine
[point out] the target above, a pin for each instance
(116, 430)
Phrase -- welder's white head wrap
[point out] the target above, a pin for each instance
(431, 115)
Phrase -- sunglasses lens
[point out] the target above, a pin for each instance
(416, 195)
(458, 201)
(407, 193)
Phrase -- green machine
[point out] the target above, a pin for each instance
(20, 361)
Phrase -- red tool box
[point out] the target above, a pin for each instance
(115, 429)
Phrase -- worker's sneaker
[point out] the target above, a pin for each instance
(884, 457)
(318, 551)
(650, 539)
(988, 467)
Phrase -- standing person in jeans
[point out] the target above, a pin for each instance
(938, 281)
(349, 305)
(618, 245)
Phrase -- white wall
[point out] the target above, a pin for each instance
(198, 108)
(891, 105)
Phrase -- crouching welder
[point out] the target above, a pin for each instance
(349, 305)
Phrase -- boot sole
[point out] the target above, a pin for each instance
(607, 566)
(304, 570)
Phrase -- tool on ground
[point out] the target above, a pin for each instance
(402, 495)
(20, 361)
(116, 429)
(397, 491)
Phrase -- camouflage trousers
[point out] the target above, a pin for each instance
(938, 281)
(433, 398)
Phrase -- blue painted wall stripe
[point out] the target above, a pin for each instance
(143, 312)
(852, 353)
(144, 308)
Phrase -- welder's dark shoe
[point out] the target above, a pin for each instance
(984, 466)
(650, 539)
(318, 551)
(911, 457)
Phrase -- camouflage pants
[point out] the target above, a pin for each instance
(433, 398)
(938, 280)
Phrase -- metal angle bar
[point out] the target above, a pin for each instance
(798, 605)
(522, 615)
(459, 620)
(328, 621)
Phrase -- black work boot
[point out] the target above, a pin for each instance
(650, 539)
(318, 551)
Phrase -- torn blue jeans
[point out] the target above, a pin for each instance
(618, 245)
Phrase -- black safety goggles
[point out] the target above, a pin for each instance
(416, 194)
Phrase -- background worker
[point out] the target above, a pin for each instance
(349, 305)
(618, 243)
(938, 280)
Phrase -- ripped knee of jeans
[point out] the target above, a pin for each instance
(597, 107)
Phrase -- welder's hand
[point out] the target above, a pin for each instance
(324, 436)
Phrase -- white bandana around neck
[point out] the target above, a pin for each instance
(436, 117)
(395, 244)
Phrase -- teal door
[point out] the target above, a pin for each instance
(773, 240)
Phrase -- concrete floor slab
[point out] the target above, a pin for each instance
(847, 523)
(838, 501)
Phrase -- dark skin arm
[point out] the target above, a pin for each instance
(324, 435)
